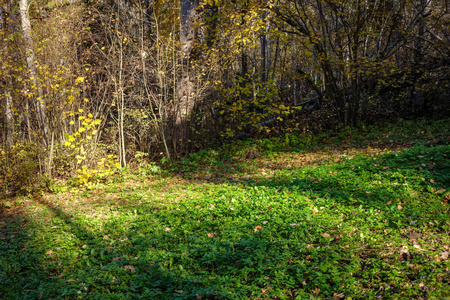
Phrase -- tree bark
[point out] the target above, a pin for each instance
(28, 39)
(186, 97)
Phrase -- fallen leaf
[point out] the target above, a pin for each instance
(325, 235)
(167, 229)
(399, 206)
(432, 180)
(49, 252)
(315, 211)
(213, 234)
(257, 228)
(130, 267)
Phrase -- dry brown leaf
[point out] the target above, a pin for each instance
(325, 235)
(257, 228)
(399, 206)
(49, 252)
(130, 267)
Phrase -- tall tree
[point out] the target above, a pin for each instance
(30, 57)
(186, 93)
(6, 82)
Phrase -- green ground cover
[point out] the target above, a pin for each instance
(363, 214)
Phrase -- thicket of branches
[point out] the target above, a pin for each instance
(86, 86)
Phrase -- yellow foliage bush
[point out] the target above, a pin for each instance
(18, 168)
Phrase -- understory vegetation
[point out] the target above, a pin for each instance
(358, 214)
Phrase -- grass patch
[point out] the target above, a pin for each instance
(310, 217)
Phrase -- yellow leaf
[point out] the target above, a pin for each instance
(81, 110)
(86, 100)
(81, 129)
(79, 79)
(71, 122)
(90, 116)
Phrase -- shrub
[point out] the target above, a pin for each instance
(18, 168)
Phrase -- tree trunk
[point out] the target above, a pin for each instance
(186, 97)
(28, 39)
(9, 120)
(416, 92)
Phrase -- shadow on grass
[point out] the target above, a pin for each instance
(334, 231)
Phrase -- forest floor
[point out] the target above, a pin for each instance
(359, 214)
